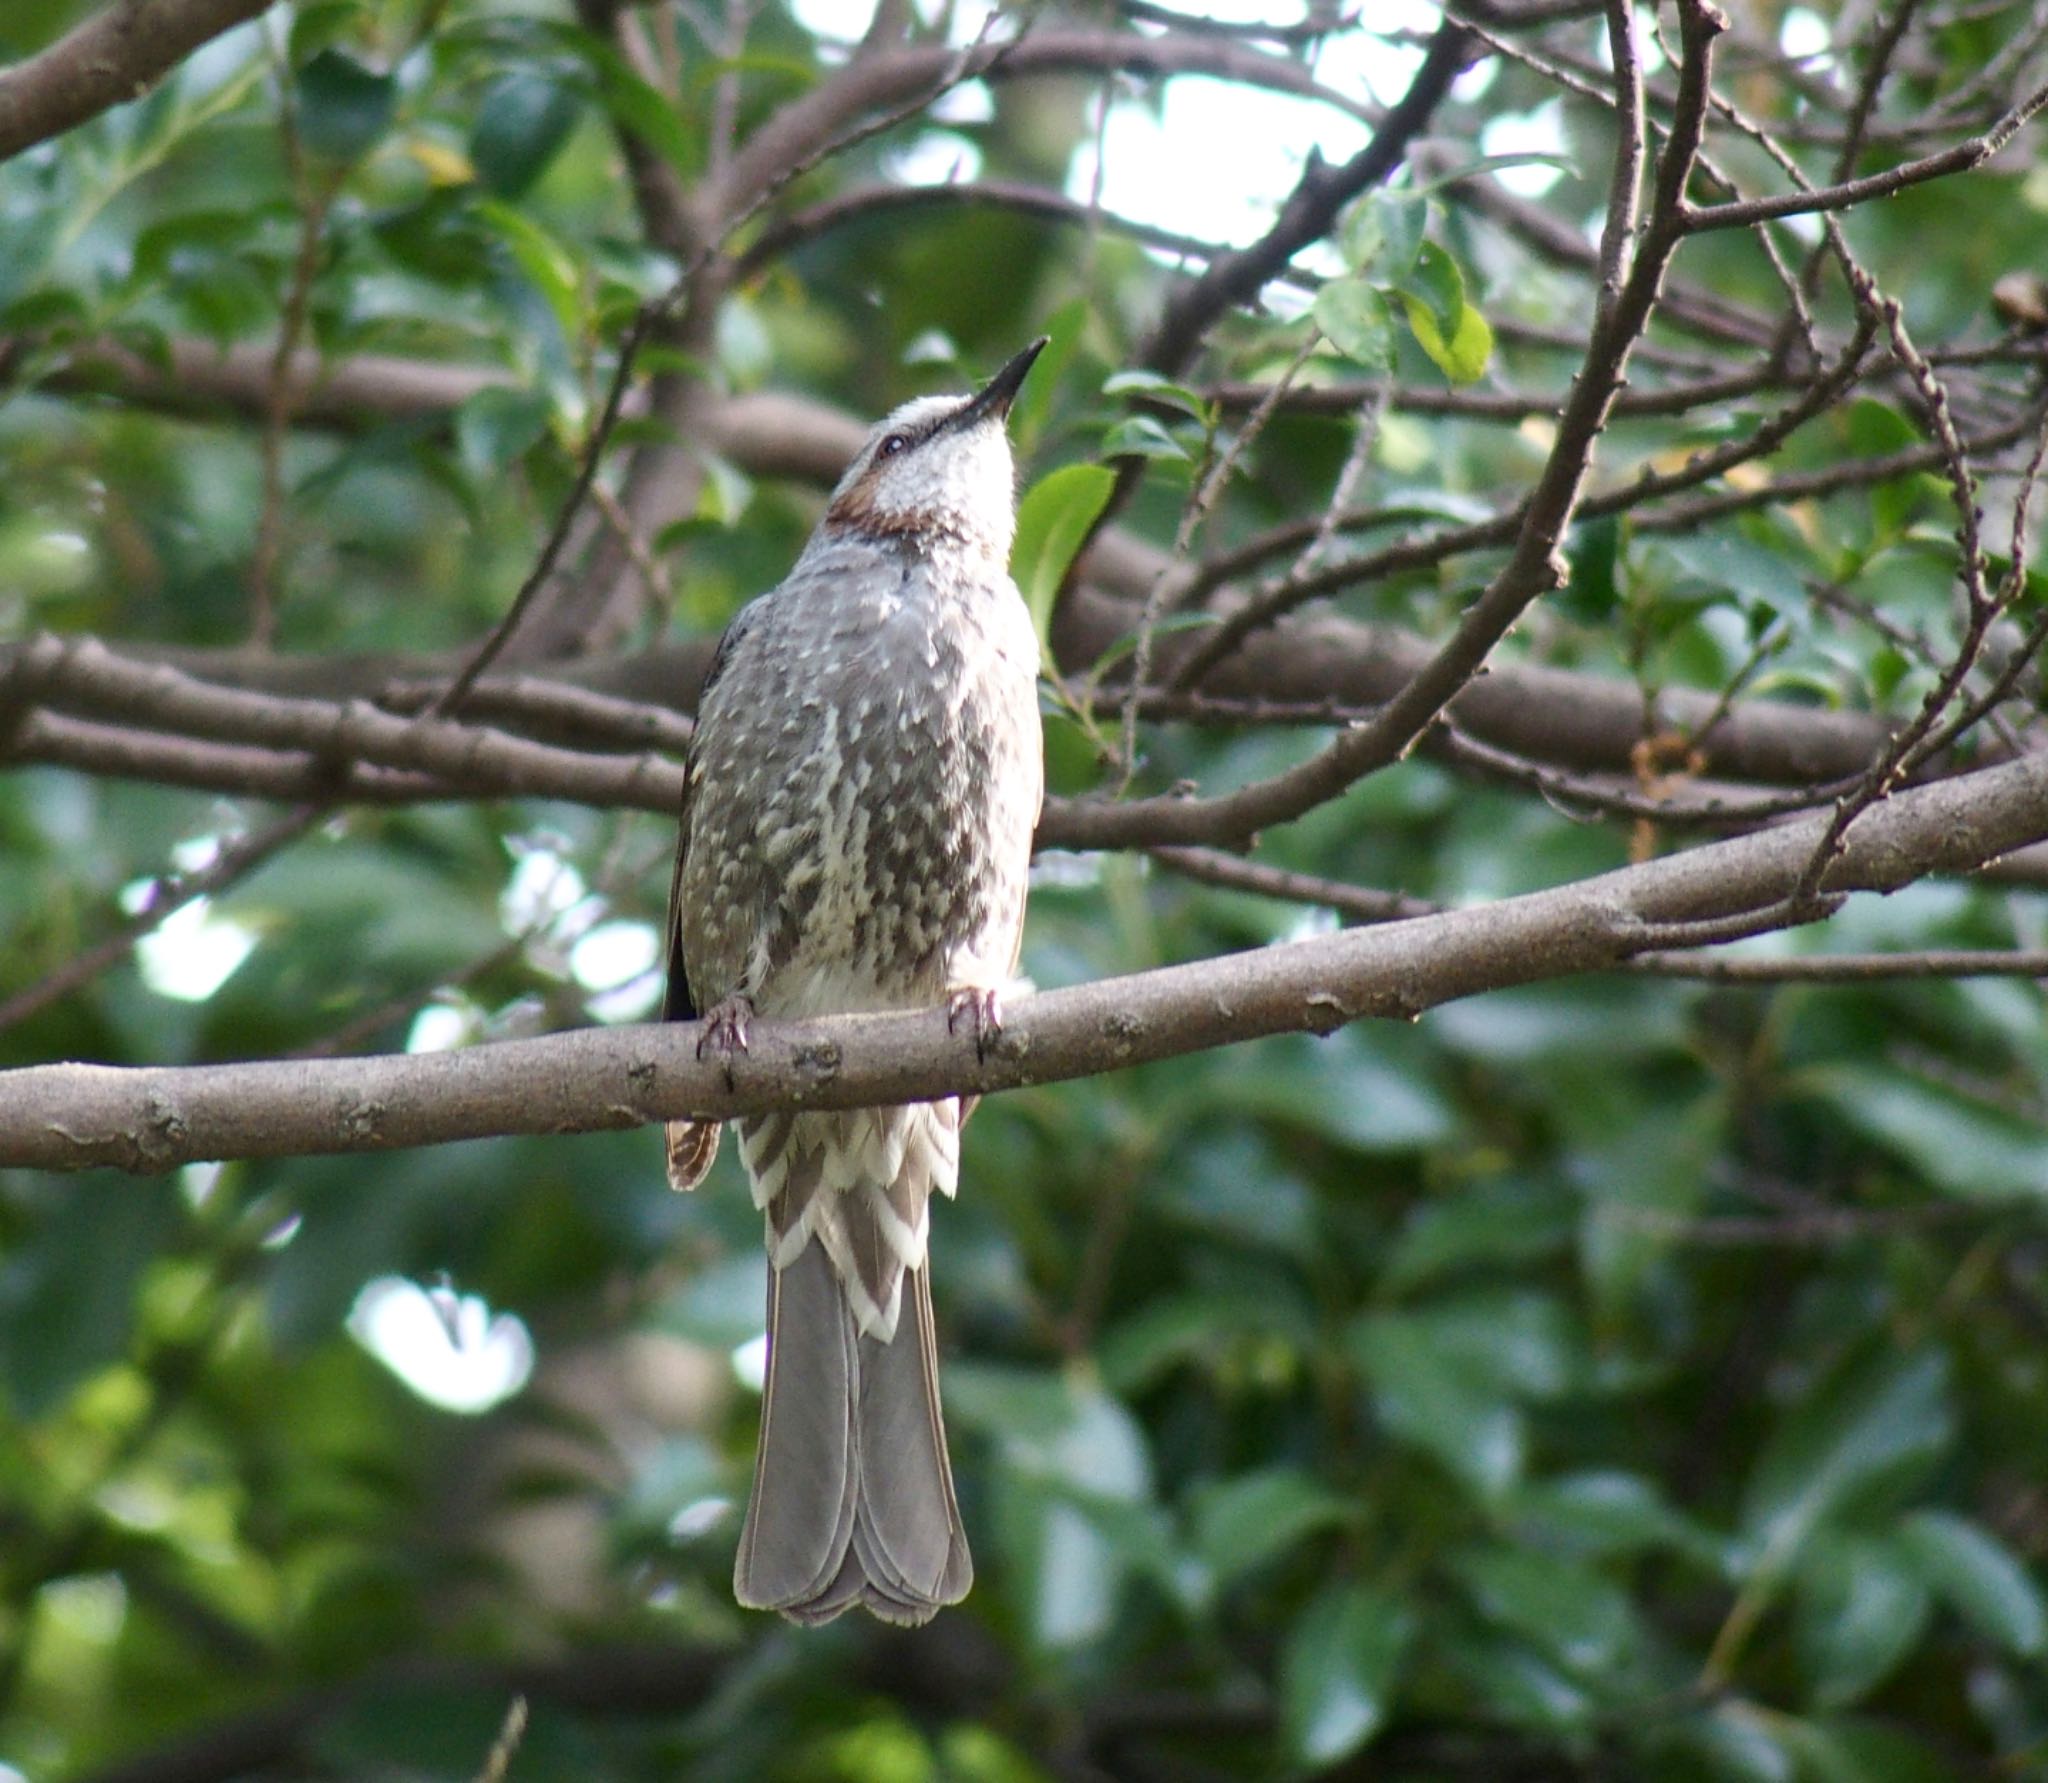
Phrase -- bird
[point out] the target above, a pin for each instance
(861, 791)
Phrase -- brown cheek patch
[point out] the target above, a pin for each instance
(856, 510)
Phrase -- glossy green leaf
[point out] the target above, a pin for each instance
(633, 102)
(498, 425)
(521, 124)
(1966, 1148)
(1878, 1424)
(68, 1294)
(543, 259)
(1354, 316)
(1242, 1523)
(1434, 1400)
(1978, 1577)
(1859, 1610)
(1435, 282)
(1338, 1670)
(1518, 1685)
(1478, 1228)
(343, 107)
(1197, 1326)
(1155, 388)
(1053, 522)
(1139, 436)
(1606, 1513)
(1570, 1610)
(1844, 1749)
(1463, 353)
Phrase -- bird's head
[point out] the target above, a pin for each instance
(939, 466)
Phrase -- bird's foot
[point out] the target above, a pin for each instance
(725, 1030)
(981, 1008)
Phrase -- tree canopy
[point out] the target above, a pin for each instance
(1510, 1243)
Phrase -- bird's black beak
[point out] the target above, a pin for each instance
(995, 397)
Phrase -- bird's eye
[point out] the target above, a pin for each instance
(891, 445)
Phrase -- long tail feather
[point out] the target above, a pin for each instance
(853, 1494)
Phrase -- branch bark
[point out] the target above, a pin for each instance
(73, 1116)
(116, 55)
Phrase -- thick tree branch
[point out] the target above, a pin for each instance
(116, 55)
(75, 1116)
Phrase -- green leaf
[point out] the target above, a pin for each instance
(1433, 1400)
(722, 1306)
(1476, 1227)
(1383, 234)
(1197, 1326)
(1154, 388)
(633, 103)
(1059, 1428)
(1518, 1685)
(1350, 1088)
(319, 23)
(1073, 1492)
(1593, 550)
(1572, 1613)
(1465, 170)
(1338, 1669)
(1962, 1147)
(1354, 316)
(1600, 1513)
(343, 107)
(1437, 284)
(1978, 1577)
(522, 120)
(497, 425)
(1139, 436)
(1053, 522)
(1879, 1423)
(1842, 1749)
(1241, 1524)
(67, 1291)
(1463, 354)
(1859, 1610)
(551, 267)
(1733, 1742)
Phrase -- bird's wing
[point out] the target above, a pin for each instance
(692, 1145)
(680, 1002)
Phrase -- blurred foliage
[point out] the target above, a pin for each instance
(1614, 1378)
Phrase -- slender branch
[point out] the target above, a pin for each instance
(1535, 565)
(1741, 213)
(116, 55)
(1617, 234)
(867, 201)
(234, 863)
(145, 1119)
(1310, 210)
(874, 83)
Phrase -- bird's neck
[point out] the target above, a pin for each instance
(943, 542)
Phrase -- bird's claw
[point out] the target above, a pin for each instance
(982, 1008)
(725, 1031)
